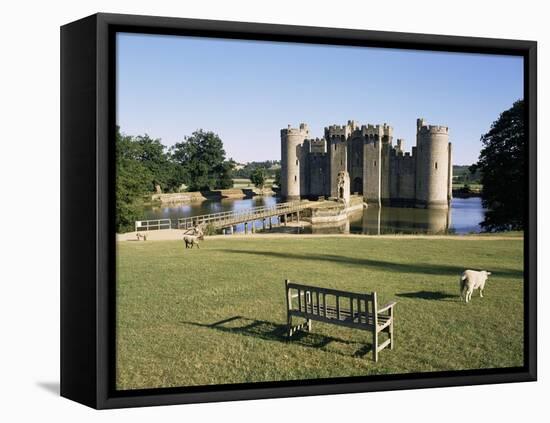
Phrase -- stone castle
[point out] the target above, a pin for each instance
(362, 160)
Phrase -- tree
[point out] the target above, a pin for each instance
(133, 179)
(277, 180)
(165, 172)
(203, 158)
(258, 177)
(502, 162)
(226, 174)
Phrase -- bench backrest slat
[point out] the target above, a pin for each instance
(315, 303)
(294, 285)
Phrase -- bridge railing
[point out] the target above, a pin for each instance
(239, 216)
(155, 225)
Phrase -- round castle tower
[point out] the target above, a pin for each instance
(433, 166)
(293, 166)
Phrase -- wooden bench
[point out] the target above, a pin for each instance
(349, 309)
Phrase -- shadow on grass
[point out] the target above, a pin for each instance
(428, 295)
(270, 331)
(417, 268)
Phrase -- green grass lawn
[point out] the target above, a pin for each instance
(217, 315)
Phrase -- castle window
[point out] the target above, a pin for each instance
(375, 163)
(295, 178)
(296, 162)
(436, 165)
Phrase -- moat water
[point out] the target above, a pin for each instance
(463, 217)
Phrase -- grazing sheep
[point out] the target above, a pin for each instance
(470, 280)
(192, 240)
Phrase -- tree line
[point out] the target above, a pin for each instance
(144, 165)
(502, 165)
(462, 174)
(269, 168)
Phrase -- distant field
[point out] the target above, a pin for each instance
(217, 315)
(474, 187)
(245, 183)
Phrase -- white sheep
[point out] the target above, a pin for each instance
(192, 240)
(470, 280)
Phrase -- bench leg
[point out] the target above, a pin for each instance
(302, 326)
(289, 325)
(375, 344)
(391, 335)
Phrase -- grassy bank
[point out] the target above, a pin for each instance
(217, 315)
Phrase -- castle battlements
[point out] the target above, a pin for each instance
(336, 130)
(302, 130)
(317, 146)
(423, 128)
(381, 172)
(434, 129)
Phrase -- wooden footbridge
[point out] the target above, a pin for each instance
(227, 221)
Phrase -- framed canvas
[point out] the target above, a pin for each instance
(257, 211)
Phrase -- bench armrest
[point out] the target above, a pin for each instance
(386, 307)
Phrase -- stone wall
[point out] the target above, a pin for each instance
(355, 163)
(402, 181)
(337, 152)
(371, 163)
(318, 174)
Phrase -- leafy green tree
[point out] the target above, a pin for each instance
(133, 179)
(166, 173)
(176, 176)
(277, 180)
(257, 177)
(203, 158)
(226, 174)
(502, 163)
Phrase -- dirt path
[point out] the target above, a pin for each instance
(175, 234)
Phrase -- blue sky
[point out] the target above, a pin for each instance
(246, 91)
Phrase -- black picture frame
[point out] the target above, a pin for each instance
(87, 215)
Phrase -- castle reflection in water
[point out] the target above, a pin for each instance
(392, 220)
(464, 216)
